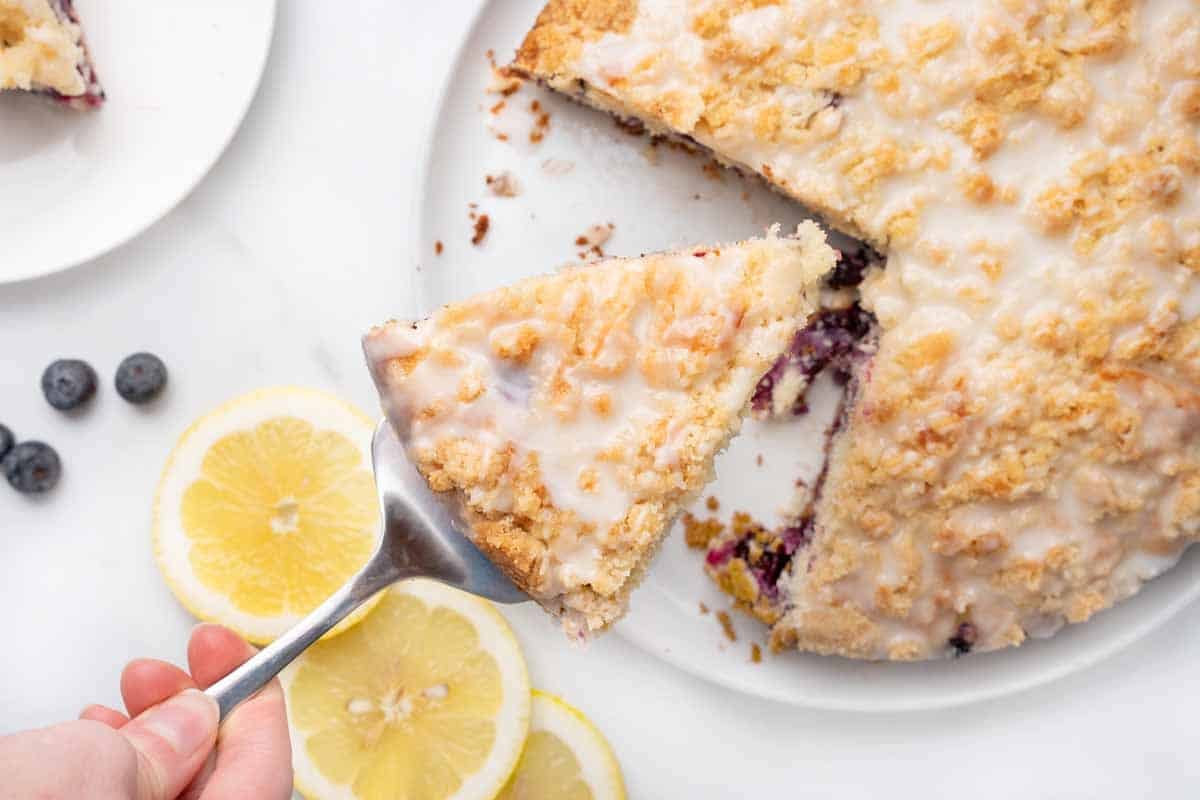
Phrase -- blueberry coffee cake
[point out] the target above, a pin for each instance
(572, 415)
(42, 50)
(1020, 445)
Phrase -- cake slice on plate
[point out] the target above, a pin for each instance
(1020, 446)
(42, 50)
(573, 414)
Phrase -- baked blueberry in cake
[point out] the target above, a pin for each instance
(1021, 442)
(572, 415)
(42, 50)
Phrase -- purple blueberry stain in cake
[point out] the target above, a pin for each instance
(841, 340)
(718, 556)
(852, 266)
(765, 554)
(833, 338)
(963, 639)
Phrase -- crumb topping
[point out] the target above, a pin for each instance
(574, 414)
(1024, 448)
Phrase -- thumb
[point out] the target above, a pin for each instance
(172, 739)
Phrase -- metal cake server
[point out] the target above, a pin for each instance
(423, 537)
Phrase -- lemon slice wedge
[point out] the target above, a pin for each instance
(265, 507)
(565, 758)
(427, 699)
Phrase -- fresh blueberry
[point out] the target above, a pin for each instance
(7, 440)
(32, 467)
(141, 377)
(68, 383)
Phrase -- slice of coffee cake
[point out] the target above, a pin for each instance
(1023, 448)
(42, 50)
(573, 414)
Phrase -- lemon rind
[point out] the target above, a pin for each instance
(597, 762)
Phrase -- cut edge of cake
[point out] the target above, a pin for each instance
(544, 58)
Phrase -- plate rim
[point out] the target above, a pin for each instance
(1117, 643)
(186, 187)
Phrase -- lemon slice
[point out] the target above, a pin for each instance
(427, 699)
(265, 507)
(565, 758)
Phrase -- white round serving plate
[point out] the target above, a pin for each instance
(659, 198)
(179, 76)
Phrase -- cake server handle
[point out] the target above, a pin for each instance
(245, 681)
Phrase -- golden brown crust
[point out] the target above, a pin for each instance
(563, 27)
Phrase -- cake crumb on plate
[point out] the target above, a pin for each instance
(557, 166)
(503, 184)
(482, 223)
(727, 625)
(697, 533)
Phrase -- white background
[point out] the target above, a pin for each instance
(298, 240)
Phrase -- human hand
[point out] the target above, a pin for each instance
(167, 745)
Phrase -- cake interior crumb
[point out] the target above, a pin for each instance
(703, 608)
(712, 503)
(438, 247)
(697, 533)
(755, 653)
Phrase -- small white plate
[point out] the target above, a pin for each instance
(179, 77)
(659, 198)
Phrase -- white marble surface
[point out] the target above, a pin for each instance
(266, 274)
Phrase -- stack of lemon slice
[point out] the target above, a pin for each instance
(265, 507)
